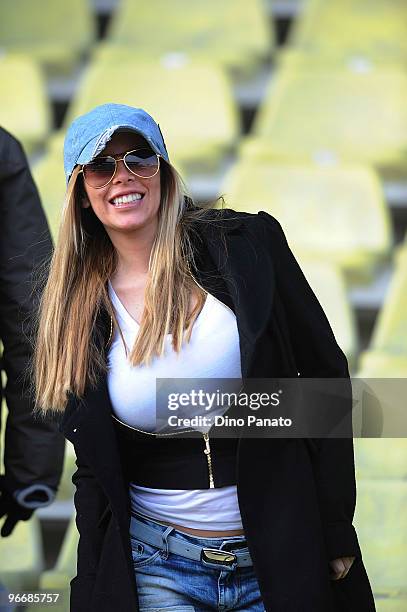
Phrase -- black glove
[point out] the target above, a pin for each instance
(13, 512)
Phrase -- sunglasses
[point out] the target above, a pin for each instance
(143, 163)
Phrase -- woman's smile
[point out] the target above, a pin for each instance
(127, 200)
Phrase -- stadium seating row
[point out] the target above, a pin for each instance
(347, 30)
(56, 37)
(306, 116)
(312, 113)
(342, 206)
(387, 353)
(332, 123)
(221, 30)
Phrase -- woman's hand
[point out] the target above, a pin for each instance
(340, 567)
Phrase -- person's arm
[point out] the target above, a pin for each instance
(34, 449)
(317, 355)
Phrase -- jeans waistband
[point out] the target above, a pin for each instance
(214, 555)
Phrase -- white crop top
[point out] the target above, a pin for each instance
(212, 352)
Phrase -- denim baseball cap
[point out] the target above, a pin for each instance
(88, 135)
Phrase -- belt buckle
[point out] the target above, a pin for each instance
(218, 557)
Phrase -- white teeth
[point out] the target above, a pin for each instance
(132, 197)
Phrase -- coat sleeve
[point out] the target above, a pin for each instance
(34, 448)
(91, 507)
(317, 355)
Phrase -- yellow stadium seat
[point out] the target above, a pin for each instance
(390, 332)
(328, 284)
(193, 104)
(234, 33)
(335, 212)
(390, 603)
(382, 377)
(66, 487)
(296, 60)
(376, 29)
(48, 174)
(21, 557)
(3, 420)
(329, 116)
(55, 33)
(381, 525)
(383, 458)
(66, 564)
(58, 579)
(379, 364)
(65, 569)
(385, 374)
(24, 108)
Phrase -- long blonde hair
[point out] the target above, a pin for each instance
(66, 355)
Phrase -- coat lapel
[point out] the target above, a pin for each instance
(247, 270)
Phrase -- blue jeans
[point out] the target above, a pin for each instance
(4, 605)
(177, 584)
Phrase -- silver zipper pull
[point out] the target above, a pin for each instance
(207, 452)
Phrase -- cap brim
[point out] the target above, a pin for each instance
(95, 146)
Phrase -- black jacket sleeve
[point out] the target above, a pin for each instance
(317, 355)
(33, 447)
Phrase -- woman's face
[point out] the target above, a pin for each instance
(115, 214)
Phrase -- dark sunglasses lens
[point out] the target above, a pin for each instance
(99, 172)
(143, 162)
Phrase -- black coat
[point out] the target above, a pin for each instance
(296, 496)
(34, 448)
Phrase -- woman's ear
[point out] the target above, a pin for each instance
(85, 202)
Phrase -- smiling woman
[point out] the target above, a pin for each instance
(124, 178)
(125, 221)
(176, 521)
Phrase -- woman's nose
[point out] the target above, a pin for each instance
(122, 172)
